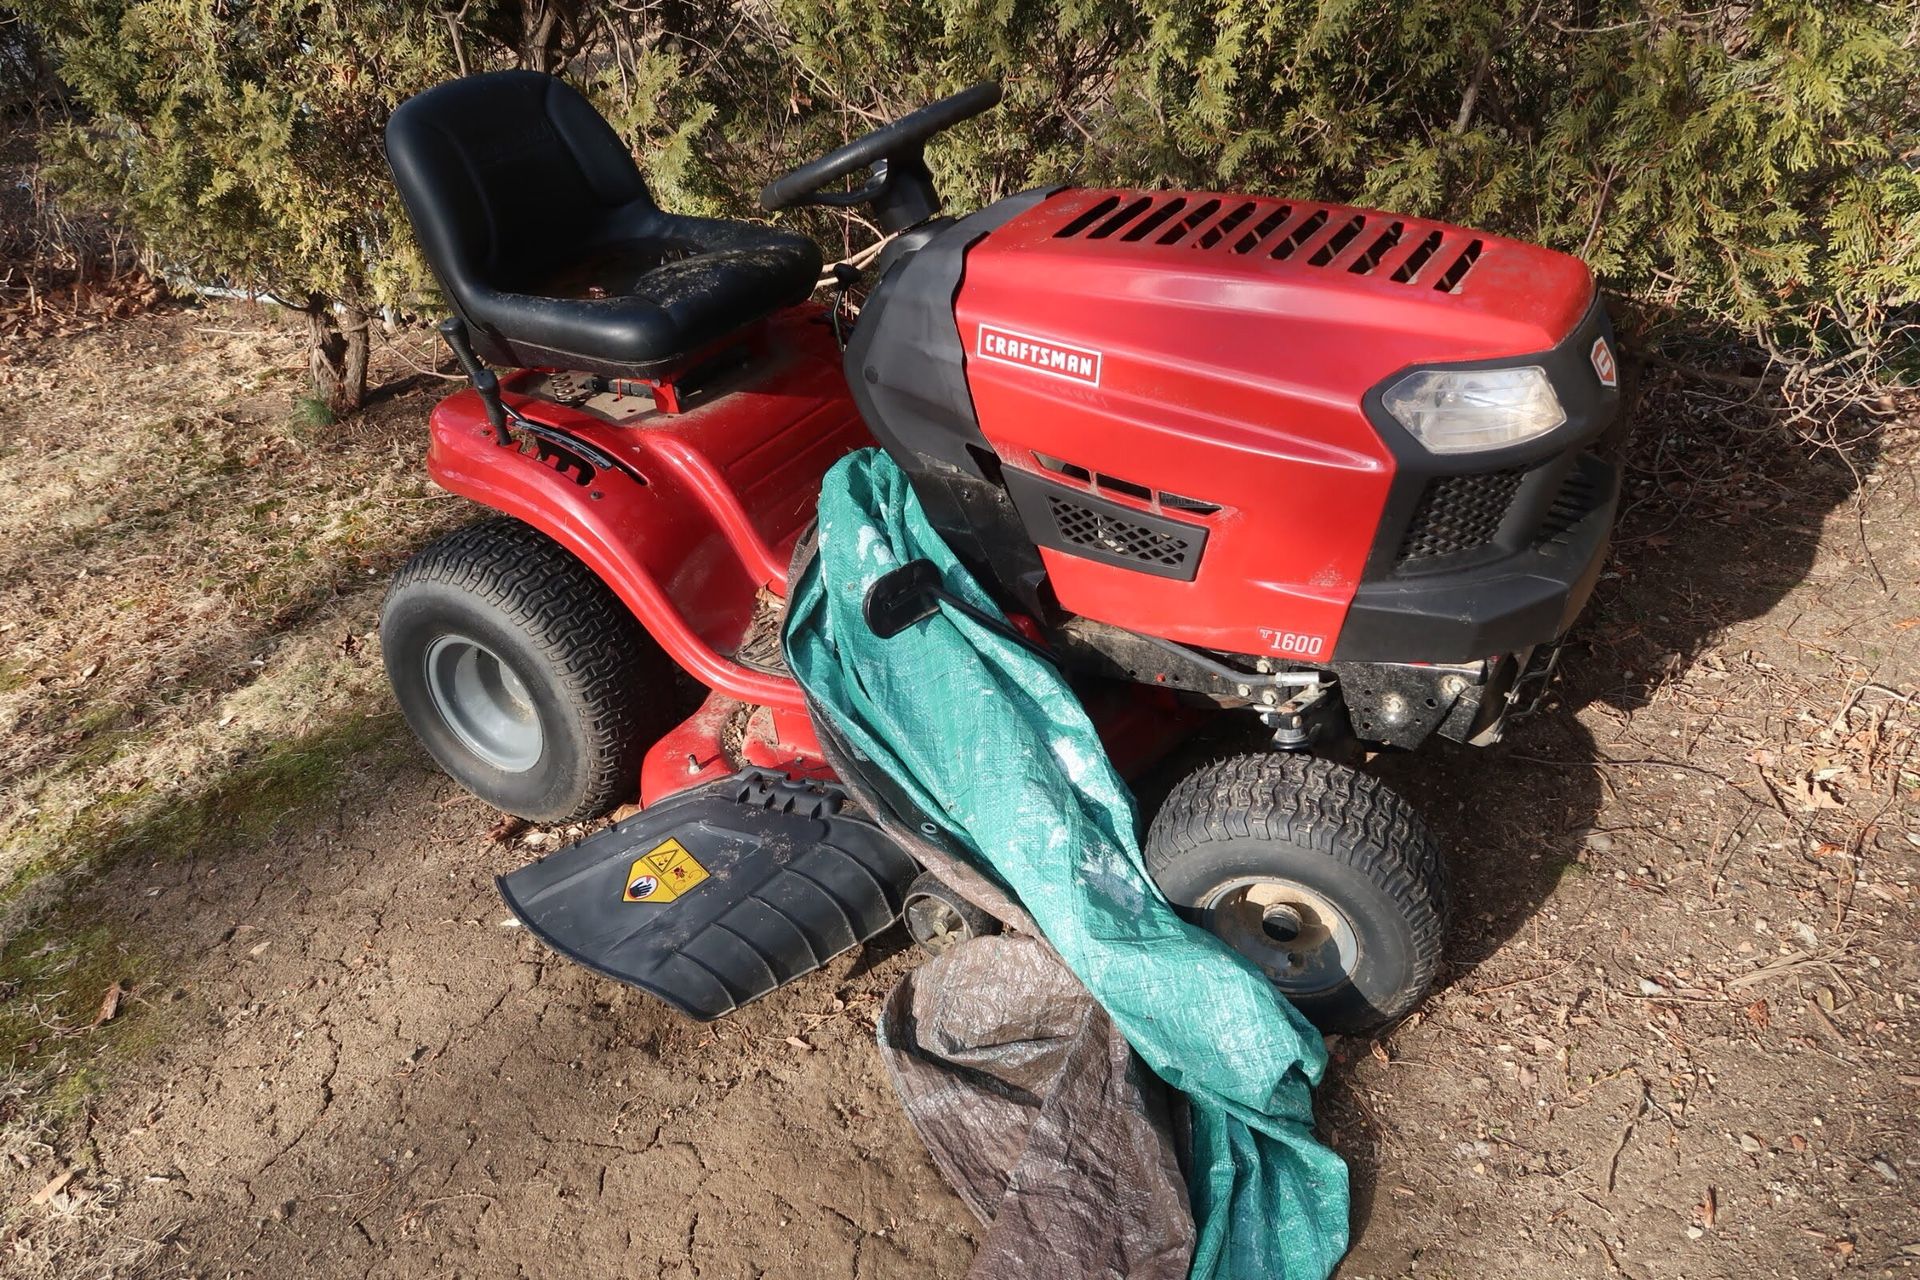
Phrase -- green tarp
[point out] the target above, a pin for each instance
(991, 742)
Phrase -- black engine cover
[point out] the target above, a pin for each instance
(907, 370)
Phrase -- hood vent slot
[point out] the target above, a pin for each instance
(1088, 218)
(1338, 241)
(1454, 276)
(1264, 228)
(1299, 235)
(1120, 219)
(1101, 482)
(1386, 240)
(1352, 240)
(1147, 225)
(1219, 230)
(1201, 212)
(1417, 259)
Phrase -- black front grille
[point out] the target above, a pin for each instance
(1085, 527)
(1459, 513)
(1580, 494)
(1085, 522)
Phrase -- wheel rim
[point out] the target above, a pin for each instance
(934, 924)
(485, 704)
(1297, 936)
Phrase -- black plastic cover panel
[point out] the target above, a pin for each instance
(1085, 524)
(1466, 566)
(715, 897)
(906, 367)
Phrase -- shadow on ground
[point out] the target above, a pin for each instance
(1713, 532)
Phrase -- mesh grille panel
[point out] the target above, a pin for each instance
(1085, 527)
(1459, 513)
(1579, 495)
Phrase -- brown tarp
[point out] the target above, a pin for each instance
(1031, 1103)
(1038, 1114)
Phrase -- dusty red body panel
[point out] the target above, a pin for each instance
(723, 491)
(1232, 377)
(691, 754)
(1139, 727)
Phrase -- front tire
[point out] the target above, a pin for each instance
(1317, 873)
(521, 672)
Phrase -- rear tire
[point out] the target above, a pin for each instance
(1317, 873)
(522, 673)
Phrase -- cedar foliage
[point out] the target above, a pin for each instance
(1731, 168)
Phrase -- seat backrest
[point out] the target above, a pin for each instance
(503, 173)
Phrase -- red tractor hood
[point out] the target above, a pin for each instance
(1205, 358)
(1352, 294)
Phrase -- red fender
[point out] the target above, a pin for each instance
(687, 516)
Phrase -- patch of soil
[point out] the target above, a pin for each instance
(368, 1073)
(1680, 1035)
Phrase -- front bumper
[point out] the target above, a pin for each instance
(1527, 598)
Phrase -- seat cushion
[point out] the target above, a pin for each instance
(541, 231)
(667, 287)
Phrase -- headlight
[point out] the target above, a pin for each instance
(1467, 410)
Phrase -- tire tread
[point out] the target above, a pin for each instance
(1335, 810)
(603, 659)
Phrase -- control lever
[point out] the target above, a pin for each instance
(845, 276)
(484, 380)
(912, 593)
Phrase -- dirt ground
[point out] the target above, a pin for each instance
(265, 1017)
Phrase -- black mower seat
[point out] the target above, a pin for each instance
(542, 232)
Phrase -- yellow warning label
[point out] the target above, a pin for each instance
(664, 873)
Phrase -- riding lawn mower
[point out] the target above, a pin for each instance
(1339, 478)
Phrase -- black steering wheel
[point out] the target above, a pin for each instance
(901, 189)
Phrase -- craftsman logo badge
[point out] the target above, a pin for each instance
(663, 874)
(1042, 355)
(1602, 357)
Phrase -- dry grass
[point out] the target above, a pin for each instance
(188, 573)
